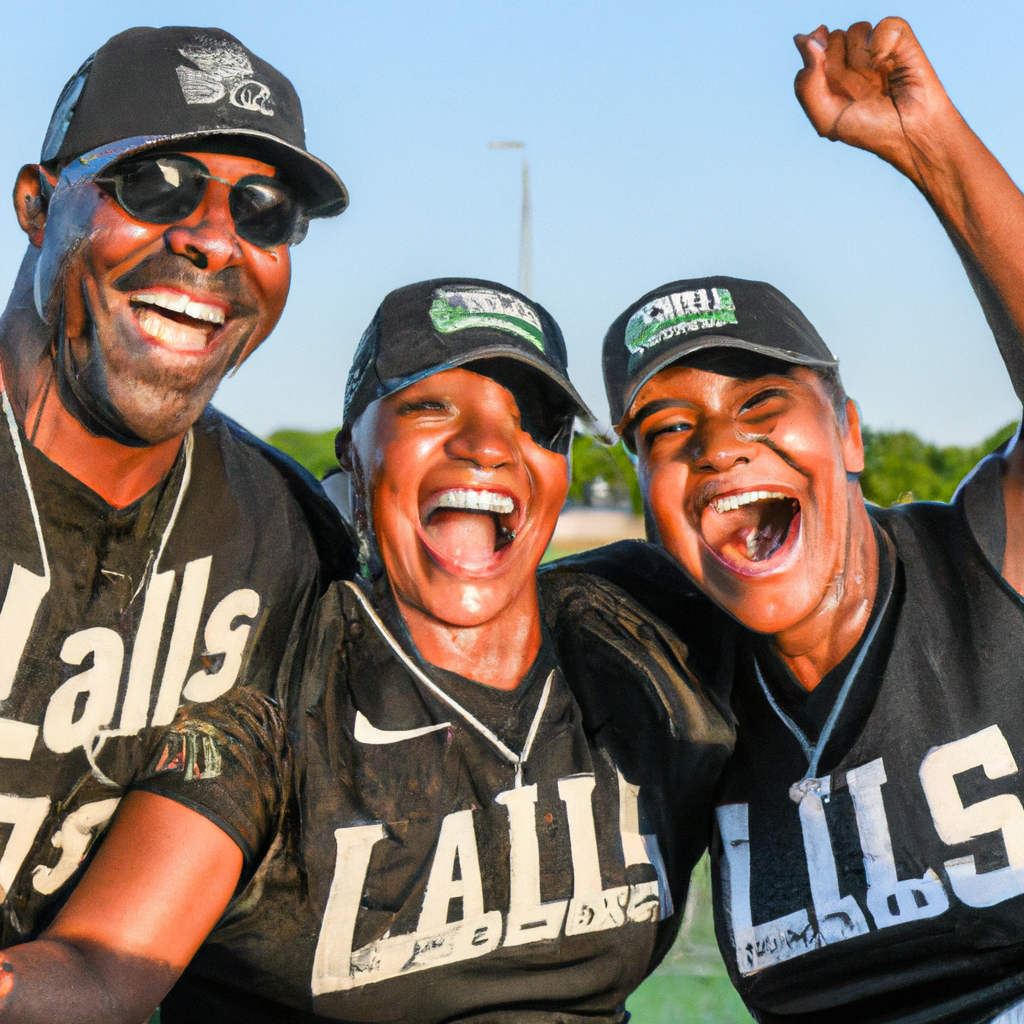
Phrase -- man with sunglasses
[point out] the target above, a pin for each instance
(150, 549)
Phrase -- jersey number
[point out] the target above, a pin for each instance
(26, 814)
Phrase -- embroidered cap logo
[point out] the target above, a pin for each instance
(678, 313)
(224, 69)
(457, 309)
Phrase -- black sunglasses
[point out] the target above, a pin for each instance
(168, 188)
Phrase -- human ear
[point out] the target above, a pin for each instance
(853, 443)
(30, 204)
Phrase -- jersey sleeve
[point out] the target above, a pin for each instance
(229, 761)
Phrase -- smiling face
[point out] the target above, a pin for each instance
(156, 314)
(462, 500)
(746, 483)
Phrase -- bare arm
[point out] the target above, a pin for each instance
(158, 885)
(875, 89)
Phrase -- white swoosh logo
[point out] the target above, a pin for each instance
(366, 732)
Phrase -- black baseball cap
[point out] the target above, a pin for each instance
(181, 87)
(684, 317)
(440, 324)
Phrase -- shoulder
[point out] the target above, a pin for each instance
(923, 529)
(658, 587)
(605, 639)
(267, 478)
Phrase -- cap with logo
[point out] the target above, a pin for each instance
(684, 317)
(441, 324)
(189, 88)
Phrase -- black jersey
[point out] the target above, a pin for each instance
(109, 616)
(869, 858)
(448, 851)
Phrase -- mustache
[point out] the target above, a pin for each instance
(167, 270)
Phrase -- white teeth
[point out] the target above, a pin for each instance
(178, 303)
(734, 501)
(477, 501)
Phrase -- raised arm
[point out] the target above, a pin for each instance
(158, 885)
(875, 89)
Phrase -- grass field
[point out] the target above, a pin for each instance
(691, 985)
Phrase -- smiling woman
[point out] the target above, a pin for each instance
(485, 805)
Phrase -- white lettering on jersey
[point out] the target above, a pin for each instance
(183, 639)
(757, 945)
(25, 593)
(223, 637)
(456, 845)
(135, 708)
(65, 726)
(838, 917)
(529, 920)
(956, 823)
(592, 908)
(26, 814)
(648, 901)
(890, 900)
(436, 941)
(73, 839)
(332, 963)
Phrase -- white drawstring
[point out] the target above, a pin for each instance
(519, 760)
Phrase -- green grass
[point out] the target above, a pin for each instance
(691, 985)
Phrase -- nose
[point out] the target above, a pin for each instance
(207, 238)
(484, 440)
(718, 445)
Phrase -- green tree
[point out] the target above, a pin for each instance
(899, 466)
(314, 451)
(592, 459)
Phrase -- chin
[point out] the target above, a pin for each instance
(465, 603)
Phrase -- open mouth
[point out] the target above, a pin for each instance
(750, 526)
(177, 320)
(467, 530)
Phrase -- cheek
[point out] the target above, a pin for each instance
(272, 273)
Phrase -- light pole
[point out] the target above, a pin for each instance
(525, 224)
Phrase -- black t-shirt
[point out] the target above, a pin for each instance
(109, 616)
(868, 861)
(428, 849)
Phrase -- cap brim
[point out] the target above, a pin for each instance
(321, 188)
(583, 412)
(711, 341)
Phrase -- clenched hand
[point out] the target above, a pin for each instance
(875, 89)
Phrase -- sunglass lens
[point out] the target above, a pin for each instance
(160, 191)
(265, 213)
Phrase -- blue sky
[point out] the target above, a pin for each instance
(664, 142)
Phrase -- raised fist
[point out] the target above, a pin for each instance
(874, 89)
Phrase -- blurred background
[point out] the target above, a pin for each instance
(664, 142)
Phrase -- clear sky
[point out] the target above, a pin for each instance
(664, 142)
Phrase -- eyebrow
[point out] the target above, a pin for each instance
(656, 406)
(763, 395)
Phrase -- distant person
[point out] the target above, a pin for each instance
(150, 549)
(447, 821)
(869, 858)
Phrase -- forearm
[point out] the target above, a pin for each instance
(983, 213)
(74, 983)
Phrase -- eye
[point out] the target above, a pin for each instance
(426, 405)
(764, 403)
(664, 431)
